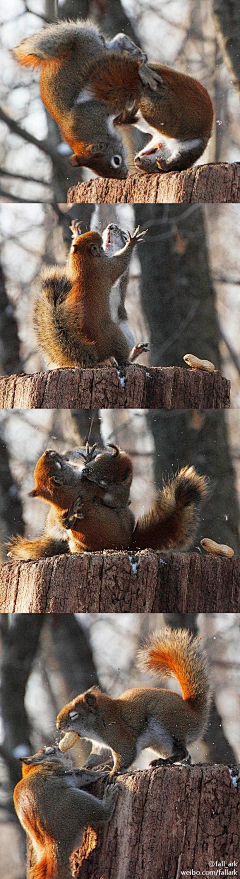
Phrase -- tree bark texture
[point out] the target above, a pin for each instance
(121, 582)
(166, 820)
(202, 183)
(137, 387)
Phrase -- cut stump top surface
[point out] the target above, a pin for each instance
(122, 582)
(137, 387)
(203, 183)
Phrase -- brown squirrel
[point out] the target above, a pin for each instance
(113, 239)
(148, 717)
(65, 53)
(89, 89)
(90, 506)
(72, 318)
(54, 810)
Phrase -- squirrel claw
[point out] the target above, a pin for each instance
(136, 236)
(138, 349)
(149, 77)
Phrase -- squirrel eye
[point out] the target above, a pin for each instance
(116, 161)
(94, 250)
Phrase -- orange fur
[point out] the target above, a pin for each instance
(148, 717)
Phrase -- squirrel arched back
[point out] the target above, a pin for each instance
(90, 87)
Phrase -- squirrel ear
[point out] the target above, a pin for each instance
(91, 152)
(76, 160)
(90, 699)
(98, 149)
(116, 450)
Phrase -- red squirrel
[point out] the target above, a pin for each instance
(71, 316)
(113, 240)
(148, 717)
(54, 810)
(90, 89)
(90, 506)
(65, 52)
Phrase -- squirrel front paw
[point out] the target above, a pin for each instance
(149, 77)
(136, 236)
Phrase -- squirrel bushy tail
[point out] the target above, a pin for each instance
(41, 548)
(178, 653)
(55, 41)
(60, 344)
(47, 867)
(172, 521)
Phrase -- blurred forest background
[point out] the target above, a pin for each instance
(47, 660)
(195, 37)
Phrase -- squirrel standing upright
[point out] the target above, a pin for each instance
(92, 505)
(54, 810)
(114, 239)
(89, 89)
(147, 717)
(71, 317)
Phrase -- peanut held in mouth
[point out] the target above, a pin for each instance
(68, 741)
(217, 548)
(196, 363)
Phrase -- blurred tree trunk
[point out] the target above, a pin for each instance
(181, 310)
(81, 426)
(74, 653)
(11, 512)
(20, 639)
(227, 22)
(188, 322)
(200, 438)
(10, 361)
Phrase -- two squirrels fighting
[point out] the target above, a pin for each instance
(79, 317)
(91, 87)
(90, 506)
(50, 802)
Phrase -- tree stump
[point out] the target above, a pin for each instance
(122, 582)
(166, 821)
(135, 387)
(202, 183)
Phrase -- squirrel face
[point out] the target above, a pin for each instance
(113, 239)
(49, 757)
(55, 479)
(109, 467)
(107, 159)
(82, 715)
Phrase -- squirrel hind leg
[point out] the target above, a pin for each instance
(180, 754)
